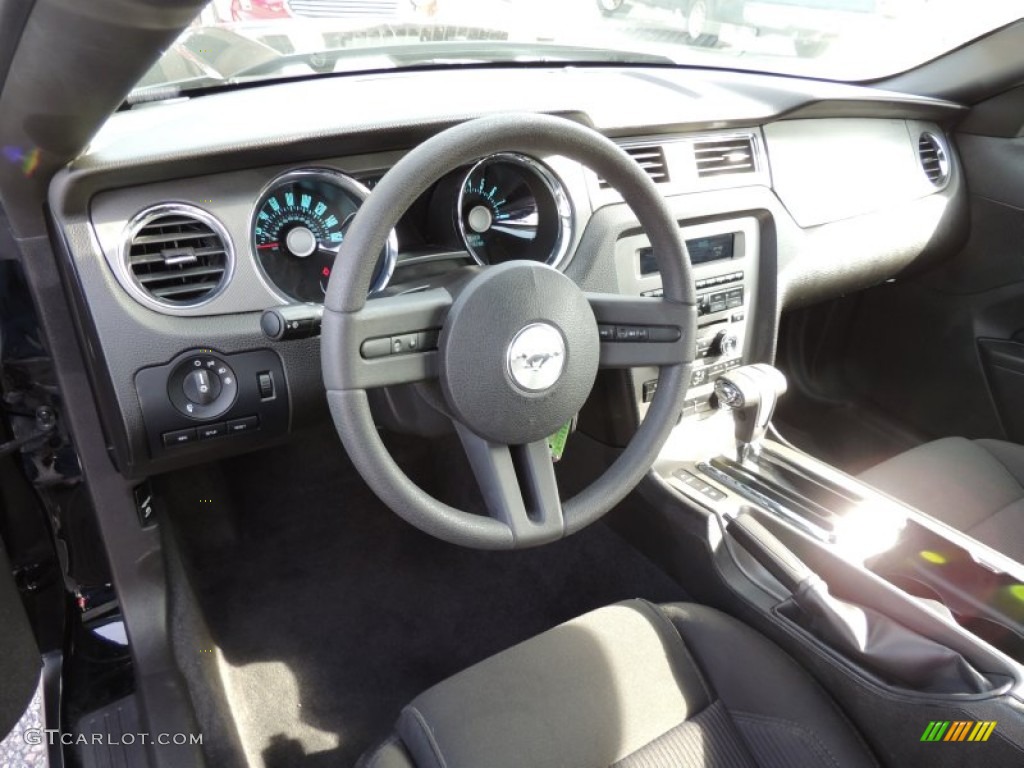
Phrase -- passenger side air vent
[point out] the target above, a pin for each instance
(178, 255)
(651, 159)
(934, 159)
(725, 156)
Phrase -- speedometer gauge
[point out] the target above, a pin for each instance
(513, 207)
(298, 227)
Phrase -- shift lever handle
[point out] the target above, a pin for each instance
(751, 393)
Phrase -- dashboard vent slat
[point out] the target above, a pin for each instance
(723, 157)
(934, 160)
(651, 159)
(178, 255)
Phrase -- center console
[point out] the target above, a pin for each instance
(725, 255)
(883, 585)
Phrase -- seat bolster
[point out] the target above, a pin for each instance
(785, 717)
(390, 754)
(1010, 455)
(956, 480)
(588, 692)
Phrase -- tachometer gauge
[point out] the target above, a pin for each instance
(298, 227)
(513, 207)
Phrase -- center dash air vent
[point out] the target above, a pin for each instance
(178, 255)
(651, 159)
(934, 160)
(725, 156)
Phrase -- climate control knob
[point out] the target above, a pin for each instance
(725, 344)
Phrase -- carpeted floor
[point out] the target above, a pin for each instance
(329, 613)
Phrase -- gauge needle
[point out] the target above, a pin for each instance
(267, 245)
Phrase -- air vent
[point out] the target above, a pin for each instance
(724, 157)
(651, 158)
(178, 255)
(934, 159)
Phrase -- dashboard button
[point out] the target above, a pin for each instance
(649, 388)
(247, 424)
(179, 437)
(211, 431)
(265, 384)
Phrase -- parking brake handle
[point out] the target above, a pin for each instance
(876, 642)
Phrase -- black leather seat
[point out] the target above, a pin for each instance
(633, 686)
(975, 486)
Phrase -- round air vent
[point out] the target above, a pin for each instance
(934, 159)
(178, 255)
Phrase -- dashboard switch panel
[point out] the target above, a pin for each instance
(203, 398)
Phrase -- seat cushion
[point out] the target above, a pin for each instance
(634, 686)
(975, 486)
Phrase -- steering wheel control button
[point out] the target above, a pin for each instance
(404, 344)
(179, 437)
(536, 357)
(518, 352)
(202, 387)
(374, 348)
(638, 333)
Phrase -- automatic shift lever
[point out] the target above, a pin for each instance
(751, 393)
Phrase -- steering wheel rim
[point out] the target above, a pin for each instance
(349, 321)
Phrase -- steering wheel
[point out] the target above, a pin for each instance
(518, 347)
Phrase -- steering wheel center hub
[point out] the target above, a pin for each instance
(519, 352)
(536, 357)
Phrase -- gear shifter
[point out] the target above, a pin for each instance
(751, 392)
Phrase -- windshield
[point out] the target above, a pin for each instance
(234, 41)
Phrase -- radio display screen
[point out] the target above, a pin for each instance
(702, 250)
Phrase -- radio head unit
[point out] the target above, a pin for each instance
(725, 255)
(702, 250)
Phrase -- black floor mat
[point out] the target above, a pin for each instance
(331, 613)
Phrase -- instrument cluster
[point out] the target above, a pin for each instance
(505, 207)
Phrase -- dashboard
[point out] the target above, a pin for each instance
(176, 241)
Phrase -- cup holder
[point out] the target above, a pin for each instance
(996, 634)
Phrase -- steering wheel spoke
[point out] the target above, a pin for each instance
(396, 338)
(518, 485)
(637, 330)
